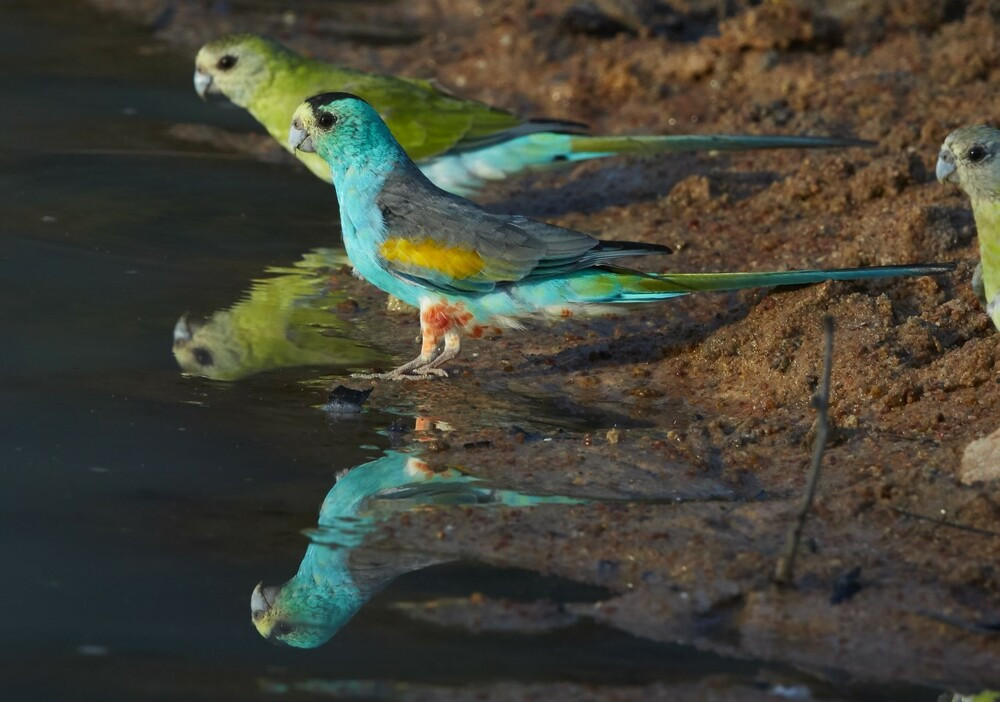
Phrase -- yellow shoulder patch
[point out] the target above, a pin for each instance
(452, 261)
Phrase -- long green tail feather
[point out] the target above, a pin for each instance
(469, 166)
(658, 286)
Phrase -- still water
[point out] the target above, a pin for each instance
(141, 506)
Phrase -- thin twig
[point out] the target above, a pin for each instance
(989, 628)
(945, 522)
(783, 572)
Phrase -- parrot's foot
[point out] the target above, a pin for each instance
(417, 369)
(424, 373)
(423, 367)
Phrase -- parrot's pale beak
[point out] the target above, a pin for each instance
(260, 600)
(182, 331)
(945, 169)
(298, 139)
(202, 84)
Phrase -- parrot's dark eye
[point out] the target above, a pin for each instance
(283, 628)
(203, 356)
(976, 153)
(327, 120)
(227, 62)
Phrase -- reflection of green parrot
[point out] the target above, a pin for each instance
(336, 578)
(460, 144)
(283, 322)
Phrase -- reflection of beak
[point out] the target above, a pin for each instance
(298, 139)
(945, 170)
(182, 330)
(261, 599)
(202, 83)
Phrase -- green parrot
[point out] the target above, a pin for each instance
(337, 575)
(459, 144)
(284, 321)
(970, 157)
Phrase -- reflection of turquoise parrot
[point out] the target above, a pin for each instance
(459, 144)
(284, 321)
(970, 157)
(337, 575)
(464, 267)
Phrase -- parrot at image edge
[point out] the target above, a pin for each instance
(970, 157)
(459, 144)
(464, 267)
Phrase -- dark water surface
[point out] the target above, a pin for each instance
(139, 506)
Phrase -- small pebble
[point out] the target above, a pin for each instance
(344, 400)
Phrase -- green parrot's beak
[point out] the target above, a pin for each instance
(945, 170)
(202, 83)
(182, 331)
(299, 139)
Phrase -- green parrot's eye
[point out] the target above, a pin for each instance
(976, 153)
(227, 62)
(203, 356)
(327, 120)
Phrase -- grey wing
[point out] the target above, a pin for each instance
(452, 244)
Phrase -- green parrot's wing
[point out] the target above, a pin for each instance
(426, 120)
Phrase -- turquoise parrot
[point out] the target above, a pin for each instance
(970, 157)
(337, 576)
(460, 144)
(284, 321)
(464, 267)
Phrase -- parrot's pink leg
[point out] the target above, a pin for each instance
(437, 321)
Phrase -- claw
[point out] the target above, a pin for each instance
(427, 371)
(415, 374)
(369, 376)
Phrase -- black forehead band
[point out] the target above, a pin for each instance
(324, 99)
